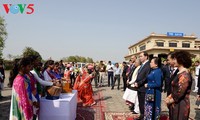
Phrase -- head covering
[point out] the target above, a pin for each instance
(68, 65)
(90, 67)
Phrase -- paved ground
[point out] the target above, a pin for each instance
(112, 99)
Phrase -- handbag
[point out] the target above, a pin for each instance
(150, 95)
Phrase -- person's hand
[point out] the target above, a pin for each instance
(91, 75)
(127, 81)
(58, 84)
(57, 80)
(198, 97)
(167, 101)
(136, 84)
(36, 104)
(54, 83)
(126, 74)
(146, 85)
(81, 82)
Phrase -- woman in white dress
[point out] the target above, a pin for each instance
(130, 95)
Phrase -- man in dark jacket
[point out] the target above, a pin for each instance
(166, 75)
(198, 93)
(125, 69)
(2, 77)
(141, 80)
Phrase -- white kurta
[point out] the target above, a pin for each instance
(131, 95)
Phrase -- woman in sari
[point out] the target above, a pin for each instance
(66, 80)
(30, 78)
(56, 71)
(48, 71)
(21, 102)
(84, 87)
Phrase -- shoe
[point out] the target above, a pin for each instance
(112, 88)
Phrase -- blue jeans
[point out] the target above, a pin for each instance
(110, 76)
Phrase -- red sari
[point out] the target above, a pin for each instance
(84, 88)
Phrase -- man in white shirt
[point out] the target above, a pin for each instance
(197, 68)
(110, 70)
(117, 73)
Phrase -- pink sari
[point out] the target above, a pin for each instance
(21, 103)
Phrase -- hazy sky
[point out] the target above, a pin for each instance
(100, 29)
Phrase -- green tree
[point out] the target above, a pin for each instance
(30, 51)
(78, 59)
(71, 59)
(89, 60)
(82, 59)
(3, 35)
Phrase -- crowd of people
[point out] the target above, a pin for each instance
(147, 79)
(144, 80)
(30, 80)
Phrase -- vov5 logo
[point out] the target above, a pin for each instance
(19, 8)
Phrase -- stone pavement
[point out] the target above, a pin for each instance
(112, 99)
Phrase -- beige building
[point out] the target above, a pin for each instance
(161, 44)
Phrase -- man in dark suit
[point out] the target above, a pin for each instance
(125, 69)
(141, 80)
(198, 93)
(173, 71)
(166, 75)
